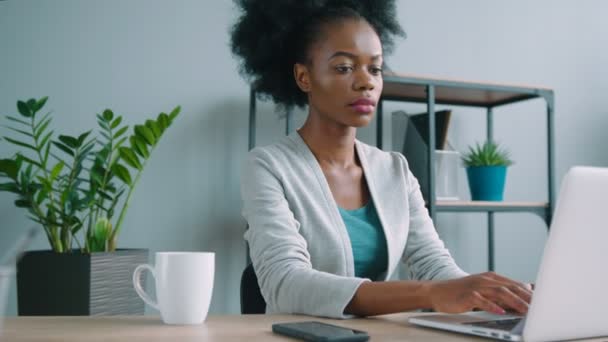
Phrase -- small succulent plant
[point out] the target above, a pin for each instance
(488, 154)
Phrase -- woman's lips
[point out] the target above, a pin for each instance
(363, 105)
(362, 108)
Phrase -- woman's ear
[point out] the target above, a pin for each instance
(302, 76)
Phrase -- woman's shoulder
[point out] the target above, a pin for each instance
(281, 153)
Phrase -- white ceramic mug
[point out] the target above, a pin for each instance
(184, 284)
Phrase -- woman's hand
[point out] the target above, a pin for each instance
(487, 291)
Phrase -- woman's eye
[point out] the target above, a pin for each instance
(376, 70)
(343, 69)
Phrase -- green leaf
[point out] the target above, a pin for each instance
(121, 132)
(44, 118)
(94, 246)
(108, 115)
(42, 195)
(18, 120)
(153, 126)
(56, 170)
(28, 170)
(103, 124)
(46, 153)
(81, 138)
(10, 168)
(139, 146)
(120, 142)
(31, 103)
(69, 141)
(106, 136)
(110, 187)
(129, 157)
(77, 226)
(77, 169)
(103, 228)
(34, 187)
(28, 134)
(103, 154)
(113, 159)
(97, 174)
(116, 122)
(115, 201)
(46, 138)
(45, 183)
(145, 133)
(38, 132)
(63, 148)
(104, 195)
(10, 187)
(23, 109)
(163, 121)
(86, 149)
(174, 113)
(122, 173)
(64, 199)
(100, 169)
(98, 159)
(22, 144)
(21, 203)
(30, 161)
(40, 103)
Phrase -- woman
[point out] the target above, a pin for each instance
(330, 217)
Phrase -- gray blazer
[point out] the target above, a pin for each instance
(299, 246)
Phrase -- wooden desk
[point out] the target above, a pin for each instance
(216, 328)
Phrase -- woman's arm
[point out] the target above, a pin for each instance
(378, 298)
(487, 291)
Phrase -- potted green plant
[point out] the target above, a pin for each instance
(487, 171)
(77, 189)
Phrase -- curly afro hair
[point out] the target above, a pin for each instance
(270, 36)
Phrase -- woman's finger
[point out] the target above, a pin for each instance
(523, 293)
(482, 303)
(520, 289)
(506, 297)
(509, 281)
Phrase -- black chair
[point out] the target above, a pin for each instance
(252, 301)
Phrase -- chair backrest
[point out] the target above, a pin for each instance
(252, 301)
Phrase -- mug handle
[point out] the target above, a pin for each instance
(137, 284)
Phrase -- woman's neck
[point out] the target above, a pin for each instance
(332, 144)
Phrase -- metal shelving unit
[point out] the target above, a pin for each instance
(432, 91)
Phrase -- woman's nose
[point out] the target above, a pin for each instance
(363, 80)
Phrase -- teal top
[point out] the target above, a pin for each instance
(367, 239)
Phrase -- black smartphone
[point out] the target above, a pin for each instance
(318, 332)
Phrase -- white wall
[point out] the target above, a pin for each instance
(142, 57)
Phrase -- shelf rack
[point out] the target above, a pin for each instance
(432, 91)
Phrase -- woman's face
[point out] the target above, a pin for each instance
(343, 79)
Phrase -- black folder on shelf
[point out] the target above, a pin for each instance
(416, 144)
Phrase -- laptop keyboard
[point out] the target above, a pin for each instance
(501, 324)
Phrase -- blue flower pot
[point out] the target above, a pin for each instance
(487, 183)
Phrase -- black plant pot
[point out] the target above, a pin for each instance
(77, 284)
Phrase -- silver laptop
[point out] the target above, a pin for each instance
(571, 294)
